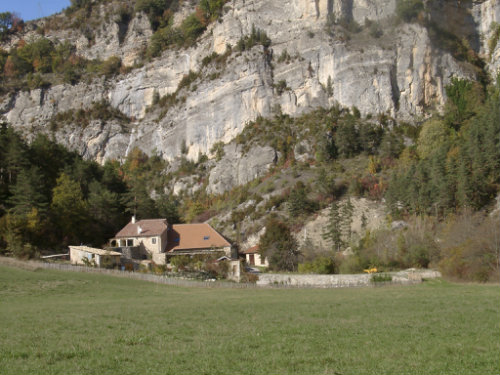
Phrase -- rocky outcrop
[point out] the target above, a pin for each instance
(401, 72)
(236, 168)
(374, 213)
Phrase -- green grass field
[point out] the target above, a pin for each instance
(69, 323)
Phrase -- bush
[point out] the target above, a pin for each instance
(180, 262)
(111, 66)
(470, 247)
(191, 29)
(156, 11)
(375, 30)
(212, 9)
(281, 86)
(218, 150)
(187, 80)
(257, 36)
(495, 36)
(408, 10)
(321, 265)
(381, 278)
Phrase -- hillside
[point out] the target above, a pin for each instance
(243, 112)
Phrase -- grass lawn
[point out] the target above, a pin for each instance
(69, 323)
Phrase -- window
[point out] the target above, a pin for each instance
(130, 242)
(153, 240)
(206, 238)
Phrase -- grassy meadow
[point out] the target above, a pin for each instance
(69, 323)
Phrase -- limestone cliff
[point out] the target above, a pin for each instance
(383, 67)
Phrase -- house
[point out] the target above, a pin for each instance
(89, 255)
(142, 239)
(159, 241)
(253, 258)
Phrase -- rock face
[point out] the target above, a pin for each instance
(237, 169)
(401, 72)
(374, 213)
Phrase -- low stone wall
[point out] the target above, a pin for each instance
(407, 277)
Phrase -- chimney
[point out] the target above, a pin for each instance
(133, 219)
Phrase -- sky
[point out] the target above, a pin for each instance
(32, 9)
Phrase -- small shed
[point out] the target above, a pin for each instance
(91, 256)
(253, 258)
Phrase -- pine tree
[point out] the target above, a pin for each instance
(333, 230)
(346, 213)
(364, 221)
(26, 193)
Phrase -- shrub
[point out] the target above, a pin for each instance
(191, 29)
(187, 80)
(281, 86)
(375, 30)
(381, 278)
(155, 10)
(218, 150)
(321, 265)
(279, 246)
(111, 66)
(495, 36)
(180, 262)
(284, 57)
(470, 247)
(257, 36)
(212, 9)
(408, 10)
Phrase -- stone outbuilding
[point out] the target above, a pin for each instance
(85, 255)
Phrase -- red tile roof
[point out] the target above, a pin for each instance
(194, 236)
(144, 228)
(252, 250)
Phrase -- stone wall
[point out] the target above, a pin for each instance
(341, 281)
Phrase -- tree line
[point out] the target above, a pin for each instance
(50, 197)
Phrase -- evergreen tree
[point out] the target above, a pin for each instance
(105, 211)
(168, 208)
(346, 212)
(298, 203)
(15, 155)
(279, 246)
(333, 230)
(26, 193)
(347, 138)
(364, 221)
(69, 211)
(138, 201)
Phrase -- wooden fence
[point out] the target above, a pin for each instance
(160, 279)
